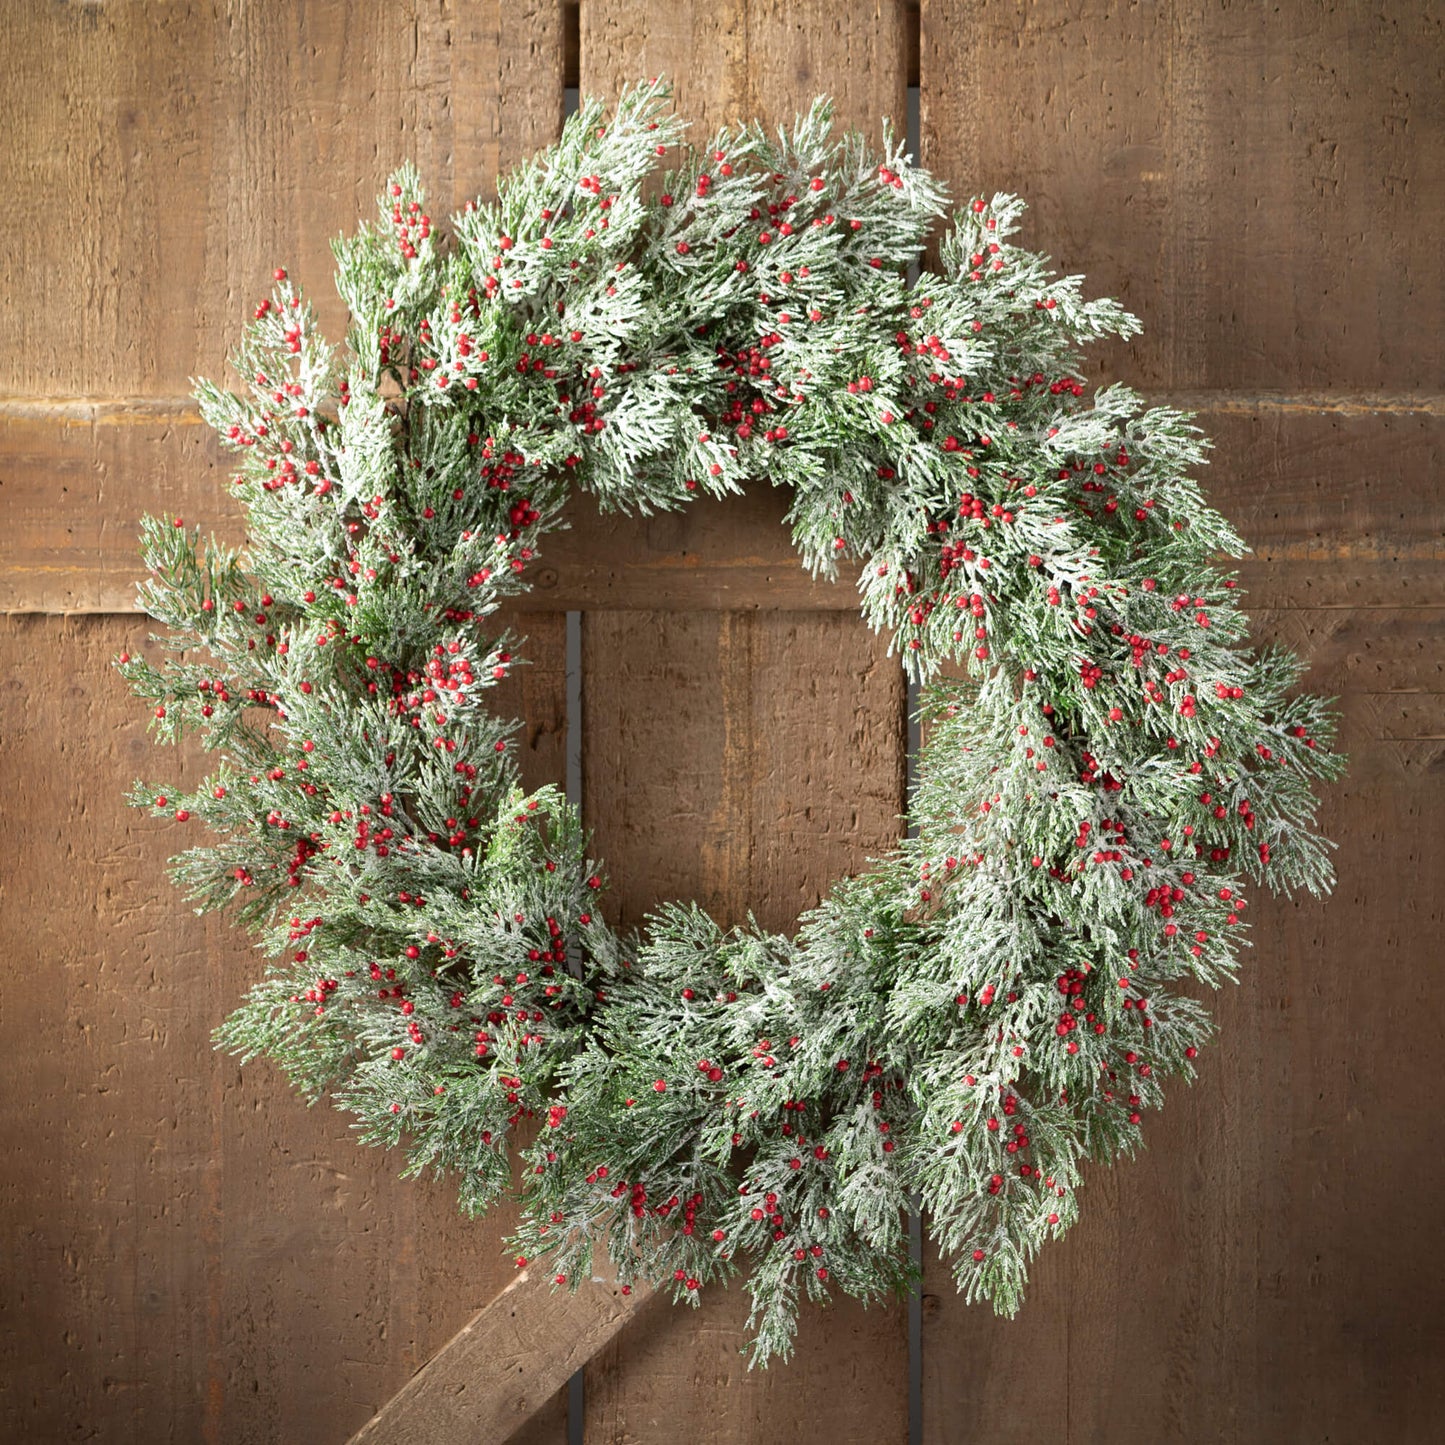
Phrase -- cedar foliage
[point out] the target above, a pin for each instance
(1109, 766)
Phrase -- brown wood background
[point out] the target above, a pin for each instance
(189, 1254)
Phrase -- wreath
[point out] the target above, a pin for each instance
(1108, 767)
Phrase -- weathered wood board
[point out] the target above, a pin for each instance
(494, 1379)
(742, 758)
(1315, 482)
(1264, 187)
(1260, 1273)
(174, 153)
(190, 1253)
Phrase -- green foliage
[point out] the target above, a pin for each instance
(1108, 766)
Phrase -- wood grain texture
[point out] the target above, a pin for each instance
(191, 1254)
(741, 732)
(223, 1264)
(1260, 186)
(1262, 1272)
(182, 150)
(1320, 486)
(744, 760)
(737, 60)
(1265, 188)
(489, 1380)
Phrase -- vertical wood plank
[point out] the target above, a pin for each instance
(734, 60)
(98, 1212)
(1248, 1277)
(744, 760)
(1260, 187)
(396, 1270)
(460, 1264)
(177, 152)
(214, 1261)
(192, 1253)
(1217, 167)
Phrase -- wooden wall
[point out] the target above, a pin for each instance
(191, 1255)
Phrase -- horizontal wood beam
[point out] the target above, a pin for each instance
(504, 1364)
(1325, 486)
(182, 409)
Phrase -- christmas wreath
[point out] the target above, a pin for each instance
(1108, 767)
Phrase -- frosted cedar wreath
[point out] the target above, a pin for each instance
(1106, 774)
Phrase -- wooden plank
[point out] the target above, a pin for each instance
(399, 1271)
(184, 151)
(1273, 220)
(736, 743)
(536, 695)
(742, 59)
(195, 1255)
(110, 1184)
(769, 740)
(511, 1356)
(1376, 650)
(1251, 1275)
(1260, 188)
(1330, 491)
(743, 760)
(192, 1253)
